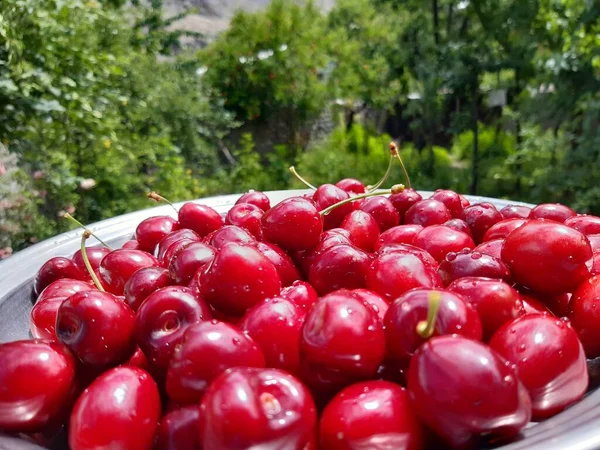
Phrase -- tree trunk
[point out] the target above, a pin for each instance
(436, 22)
(475, 128)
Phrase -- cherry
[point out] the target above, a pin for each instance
(404, 200)
(382, 210)
(119, 265)
(459, 225)
(238, 277)
(391, 371)
(547, 257)
(423, 255)
(131, 244)
(401, 234)
(227, 234)
(552, 211)
(439, 240)
(490, 248)
(138, 359)
(293, 224)
(207, 350)
(64, 287)
(179, 429)
(286, 269)
(247, 216)
(342, 266)
(329, 238)
(255, 198)
(55, 269)
(496, 302)
(266, 408)
(300, 293)
(42, 319)
(584, 224)
(451, 200)
(199, 218)
(594, 263)
(174, 249)
(150, 231)
(427, 212)
(392, 274)
(123, 405)
(594, 240)
(585, 316)
(363, 229)
(171, 239)
(94, 254)
(187, 261)
(480, 218)
(351, 186)
(515, 212)
(472, 264)
(464, 201)
(502, 229)
(463, 391)
(143, 283)
(37, 379)
(532, 305)
(375, 301)
(162, 319)
(327, 195)
(97, 326)
(370, 414)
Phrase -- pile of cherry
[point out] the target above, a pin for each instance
(388, 321)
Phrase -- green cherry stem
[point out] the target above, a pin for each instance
(395, 153)
(159, 198)
(74, 220)
(84, 237)
(302, 179)
(396, 189)
(385, 176)
(426, 328)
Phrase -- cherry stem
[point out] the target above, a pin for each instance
(78, 223)
(396, 189)
(395, 153)
(84, 237)
(426, 328)
(159, 198)
(303, 180)
(385, 176)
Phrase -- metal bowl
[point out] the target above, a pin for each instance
(577, 428)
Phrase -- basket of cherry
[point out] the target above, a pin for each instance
(340, 317)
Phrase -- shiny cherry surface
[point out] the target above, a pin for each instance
(515, 212)
(94, 254)
(439, 240)
(584, 315)
(427, 212)
(188, 260)
(286, 269)
(119, 265)
(256, 198)
(327, 195)
(472, 264)
(143, 283)
(179, 429)
(382, 211)
(552, 211)
(342, 266)
(481, 217)
(404, 200)
(502, 229)
(402, 234)
(363, 229)
(584, 223)
(247, 216)
(150, 231)
(199, 218)
(55, 269)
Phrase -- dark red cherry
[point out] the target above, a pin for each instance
(451, 200)
(490, 248)
(170, 239)
(584, 224)
(439, 240)
(584, 315)
(401, 234)
(390, 370)
(459, 225)
(255, 198)
(455, 315)
(152, 230)
(552, 211)
(382, 211)
(179, 429)
(370, 414)
(265, 408)
(199, 218)
(407, 248)
(327, 195)
(480, 218)
(293, 224)
(174, 249)
(547, 257)
(427, 212)
(162, 319)
(131, 244)
(374, 300)
(55, 269)
(496, 302)
(404, 200)
(228, 234)
(464, 391)
(287, 270)
(97, 326)
(187, 261)
(472, 264)
(239, 277)
(42, 319)
(94, 254)
(64, 287)
(392, 274)
(502, 229)
(123, 405)
(363, 229)
(532, 305)
(138, 359)
(342, 266)
(464, 201)
(301, 294)
(119, 265)
(329, 239)
(515, 212)
(37, 379)
(351, 186)
(206, 351)
(143, 283)
(247, 216)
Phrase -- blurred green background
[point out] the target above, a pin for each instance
(104, 100)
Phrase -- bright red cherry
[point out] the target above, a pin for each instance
(502, 229)
(374, 300)
(584, 224)
(228, 234)
(265, 408)
(199, 218)
(532, 305)
(150, 231)
(42, 319)
(382, 211)
(459, 225)
(363, 229)
(491, 248)
(94, 254)
(547, 257)
(131, 244)
(515, 212)
(327, 195)
(472, 264)
(256, 198)
(138, 359)
(37, 379)
(171, 239)
(301, 294)
(552, 211)
(404, 200)
(287, 270)
(439, 240)
(342, 266)
(329, 239)
(247, 216)
(119, 265)
(464, 391)
(120, 410)
(427, 212)
(179, 429)
(423, 255)
(594, 242)
(187, 261)
(480, 218)
(143, 283)
(64, 287)
(55, 269)
(451, 200)
(584, 315)
(401, 234)
(351, 186)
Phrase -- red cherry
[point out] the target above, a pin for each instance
(585, 316)
(363, 229)
(404, 200)
(247, 216)
(451, 200)
(266, 408)
(256, 198)
(123, 405)
(503, 228)
(64, 287)
(187, 261)
(179, 429)
(286, 269)
(515, 212)
(584, 224)
(490, 248)
(594, 240)
(401, 234)
(382, 210)
(329, 239)
(119, 265)
(239, 277)
(464, 391)
(138, 359)
(547, 257)
(459, 225)
(162, 319)
(143, 283)
(206, 351)
(594, 263)
(495, 301)
(131, 244)
(94, 254)
(55, 269)
(392, 274)
(199, 218)
(351, 186)
(374, 300)
(532, 305)
(556, 304)
(455, 315)
(37, 379)
(472, 264)
(552, 211)
(423, 255)
(439, 240)
(427, 212)
(390, 370)
(97, 326)
(464, 201)
(170, 239)
(370, 414)
(293, 224)
(42, 319)
(301, 294)
(342, 266)
(480, 218)
(327, 195)
(150, 231)
(228, 234)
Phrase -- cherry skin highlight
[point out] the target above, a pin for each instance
(402, 234)
(404, 200)
(552, 211)
(584, 315)
(439, 240)
(152, 230)
(480, 218)
(584, 224)
(94, 254)
(515, 212)
(472, 264)
(327, 195)
(342, 266)
(363, 229)
(382, 211)
(119, 265)
(451, 200)
(179, 429)
(247, 216)
(55, 269)
(143, 283)
(255, 198)
(502, 229)
(199, 218)
(427, 212)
